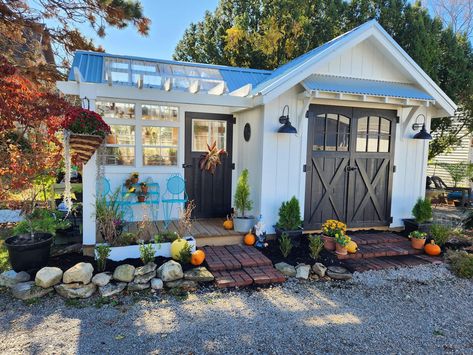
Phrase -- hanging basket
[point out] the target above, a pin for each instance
(84, 146)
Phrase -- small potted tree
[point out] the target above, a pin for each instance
(290, 221)
(422, 220)
(243, 223)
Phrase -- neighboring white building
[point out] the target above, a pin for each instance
(352, 100)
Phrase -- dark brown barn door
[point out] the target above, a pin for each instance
(211, 193)
(349, 166)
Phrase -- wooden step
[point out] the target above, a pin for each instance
(367, 251)
(361, 238)
(391, 262)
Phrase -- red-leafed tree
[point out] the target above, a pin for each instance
(29, 119)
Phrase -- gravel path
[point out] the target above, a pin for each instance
(377, 313)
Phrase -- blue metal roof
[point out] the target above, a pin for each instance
(364, 87)
(91, 65)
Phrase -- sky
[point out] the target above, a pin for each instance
(170, 18)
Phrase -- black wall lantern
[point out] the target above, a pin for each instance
(286, 124)
(423, 134)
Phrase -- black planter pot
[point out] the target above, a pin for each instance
(295, 235)
(411, 225)
(25, 255)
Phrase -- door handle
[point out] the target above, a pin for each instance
(185, 166)
(349, 168)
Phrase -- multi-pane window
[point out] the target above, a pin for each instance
(207, 132)
(159, 145)
(159, 112)
(119, 110)
(373, 134)
(120, 145)
(332, 132)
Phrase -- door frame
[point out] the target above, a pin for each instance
(189, 116)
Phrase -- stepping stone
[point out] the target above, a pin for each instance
(338, 273)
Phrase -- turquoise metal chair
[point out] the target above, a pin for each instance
(175, 194)
(102, 187)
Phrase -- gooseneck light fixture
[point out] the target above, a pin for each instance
(422, 134)
(286, 127)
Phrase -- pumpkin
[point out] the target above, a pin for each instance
(249, 239)
(228, 224)
(432, 249)
(352, 247)
(197, 257)
(176, 247)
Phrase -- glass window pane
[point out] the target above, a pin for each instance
(374, 125)
(362, 126)
(121, 134)
(158, 112)
(119, 155)
(343, 142)
(332, 123)
(159, 156)
(373, 143)
(318, 141)
(361, 143)
(330, 142)
(385, 126)
(115, 109)
(167, 136)
(207, 132)
(320, 123)
(384, 143)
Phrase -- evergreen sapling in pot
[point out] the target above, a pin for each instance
(242, 222)
(422, 221)
(290, 221)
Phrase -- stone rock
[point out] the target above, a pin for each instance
(170, 271)
(133, 286)
(314, 277)
(157, 284)
(302, 271)
(142, 279)
(124, 273)
(286, 269)
(319, 269)
(102, 279)
(142, 270)
(199, 274)
(11, 277)
(81, 272)
(48, 277)
(28, 290)
(338, 273)
(184, 285)
(111, 289)
(76, 290)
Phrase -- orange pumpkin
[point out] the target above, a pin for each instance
(228, 224)
(197, 257)
(249, 239)
(432, 249)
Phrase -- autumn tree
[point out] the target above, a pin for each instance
(29, 119)
(47, 29)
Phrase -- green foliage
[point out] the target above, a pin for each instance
(461, 263)
(167, 236)
(4, 262)
(285, 244)
(290, 215)
(41, 221)
(242, 194)
(459, 172)
(185, 254)
(126, 238)
(315, 246)
(342, 239)
(417, 235)
(440, 233)
(109, 217)
(146, 252)
(422, 210)
(103, 252)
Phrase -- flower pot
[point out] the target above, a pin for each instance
(243, 224)
(411, 225)
(111, 139)
(329, 243)
(340, 250)
(144, 189)
(84, 145)
(295, 235)
(418, 243)
(141, 198)
(29, 254)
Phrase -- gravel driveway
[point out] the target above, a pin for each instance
(377, 313)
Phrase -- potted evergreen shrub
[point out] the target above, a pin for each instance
(243, 223)
(290, 220)
(422, 220)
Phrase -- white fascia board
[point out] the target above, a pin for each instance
(147, 94)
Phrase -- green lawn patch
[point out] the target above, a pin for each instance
(4, 234)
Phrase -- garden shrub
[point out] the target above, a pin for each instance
(103, 252)
(315, 246)
(440, 234)
(461, 263)
(285, 245)
(185, 254)
(290, 215)
(146, 252)
(422, 210)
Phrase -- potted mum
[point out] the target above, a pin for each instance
(243, 223)
(290, 221)
(422, 212)
(330, 229)
(418, 239)
(341, 242)
(86, 130)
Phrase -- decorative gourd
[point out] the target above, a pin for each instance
(228, 224)
(176, 247)
(197, 257)
(249, 239)
(432, 249)
(352, 247)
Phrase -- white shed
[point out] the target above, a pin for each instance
(352, 101)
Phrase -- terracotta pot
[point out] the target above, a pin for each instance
(341, 250)
(418, 243)
(144, 189)
(111, 139)
(141, 198)
(329, 242)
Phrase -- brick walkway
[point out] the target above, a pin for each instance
(237, 265)
(384, 251)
